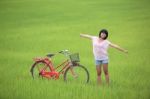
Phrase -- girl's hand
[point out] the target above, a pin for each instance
(126, 51)
(118, 48)
(86, 36)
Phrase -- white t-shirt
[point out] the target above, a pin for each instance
(100, 48)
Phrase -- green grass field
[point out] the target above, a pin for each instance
(31, 28)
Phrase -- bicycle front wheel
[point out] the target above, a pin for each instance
(76, 74)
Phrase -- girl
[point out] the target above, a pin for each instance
(100, 46)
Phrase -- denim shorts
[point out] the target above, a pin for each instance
(99, 62)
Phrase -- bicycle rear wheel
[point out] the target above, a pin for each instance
(36, 69)
(76, 74)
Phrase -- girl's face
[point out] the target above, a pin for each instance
(103, 35)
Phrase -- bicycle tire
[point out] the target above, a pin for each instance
(79, 71)
(36, 67)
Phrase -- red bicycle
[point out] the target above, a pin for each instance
(71, 69)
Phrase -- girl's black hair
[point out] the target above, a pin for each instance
(103, 31)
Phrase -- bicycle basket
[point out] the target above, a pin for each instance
(74, 57)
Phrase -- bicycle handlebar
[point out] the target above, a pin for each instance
(65, 52)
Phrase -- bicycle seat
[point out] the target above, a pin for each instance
(50, 55)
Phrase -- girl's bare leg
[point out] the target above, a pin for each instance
(98, 69)
(105, 68)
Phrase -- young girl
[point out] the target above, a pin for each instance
(100, 46)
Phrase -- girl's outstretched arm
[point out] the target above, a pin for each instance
(118, 48)
(86, 36)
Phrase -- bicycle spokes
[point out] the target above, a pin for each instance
(39, 68)
(77, 74)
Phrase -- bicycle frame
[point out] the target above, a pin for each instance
(53, 73)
